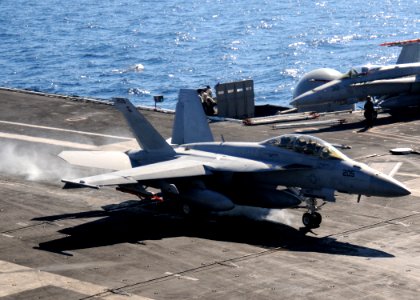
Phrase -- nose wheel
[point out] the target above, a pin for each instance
(311, 220)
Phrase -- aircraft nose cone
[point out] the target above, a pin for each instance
(386, 186)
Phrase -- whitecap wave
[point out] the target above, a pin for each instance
(138, 91)
(137, 68)
(291, 72)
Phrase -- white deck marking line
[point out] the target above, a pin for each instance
(16, 279)
(413, 186)
(408, 174)
(7, 235)
(181, 276)
(65, 130)
(403, 224)
(28, 138)
(395, 169)
(394, 136)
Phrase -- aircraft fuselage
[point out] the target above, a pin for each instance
(320, 172)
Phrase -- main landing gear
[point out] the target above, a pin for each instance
(311, 219)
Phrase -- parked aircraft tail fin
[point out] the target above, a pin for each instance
(190, 125)
(410, 52)
(146, 135)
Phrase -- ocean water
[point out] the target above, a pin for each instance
(139, 48)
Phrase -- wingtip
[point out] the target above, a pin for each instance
(71, 184)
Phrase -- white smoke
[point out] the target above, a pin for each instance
(282, 216)
(32, 162)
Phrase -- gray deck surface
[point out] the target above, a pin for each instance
(82, 244)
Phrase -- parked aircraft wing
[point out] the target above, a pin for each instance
(112, 160)
(167, 169)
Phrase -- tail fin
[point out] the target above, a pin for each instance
(146, 135)
(410, 52)
(190, 125)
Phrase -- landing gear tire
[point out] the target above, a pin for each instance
(307, 219)
(311, 220)
(317, 219)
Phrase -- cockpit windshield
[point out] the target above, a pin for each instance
(306, 144)
(360, 71)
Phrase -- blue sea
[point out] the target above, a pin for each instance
(138, 48)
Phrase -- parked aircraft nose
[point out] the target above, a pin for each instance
(386, 186)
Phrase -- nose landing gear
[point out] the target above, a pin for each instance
(311, 219)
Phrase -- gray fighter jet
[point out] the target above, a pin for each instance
(207, 176)
(395, 87)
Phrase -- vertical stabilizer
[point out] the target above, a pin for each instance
(190, 125)
(146, 135)
(410, 52)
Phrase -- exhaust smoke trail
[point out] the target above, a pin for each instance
(282, 216)
(31, 162)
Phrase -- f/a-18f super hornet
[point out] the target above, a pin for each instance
(210, 176)
(396, 87)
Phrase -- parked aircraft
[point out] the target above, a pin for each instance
(204, 175)
(395, 87)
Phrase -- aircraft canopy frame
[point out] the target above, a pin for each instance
(306, 144)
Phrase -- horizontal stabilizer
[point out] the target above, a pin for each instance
(111, 160)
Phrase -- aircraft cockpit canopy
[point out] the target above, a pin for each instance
(306, 144)
(360, 71)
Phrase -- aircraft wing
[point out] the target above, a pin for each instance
(167, 169)
(183, 166)
(112, 160)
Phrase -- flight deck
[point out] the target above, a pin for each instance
(103, 244)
